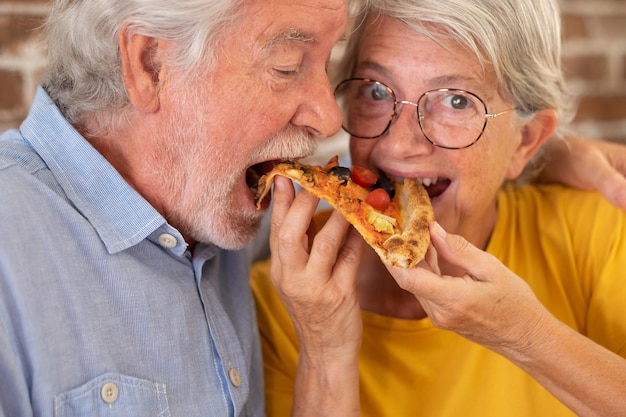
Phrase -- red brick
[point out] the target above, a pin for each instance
(16, 30)
(11, 87)
(602, 108)
(590, 67)
(574, 27)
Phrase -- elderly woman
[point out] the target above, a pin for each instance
(462, 94)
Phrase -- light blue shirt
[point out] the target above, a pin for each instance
(103, 310)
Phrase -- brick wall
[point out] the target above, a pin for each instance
(594, 58)
(21, 59)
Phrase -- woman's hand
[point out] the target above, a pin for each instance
(492, 306)
(488, 304)
(588, 165)
(316, 278)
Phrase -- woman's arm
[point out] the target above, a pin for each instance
(588, 165)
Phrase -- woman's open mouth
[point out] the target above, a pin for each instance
(435, 186)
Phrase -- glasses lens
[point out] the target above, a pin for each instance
(366, 107)
(452, 118)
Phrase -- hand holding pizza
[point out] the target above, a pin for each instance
(316, 279)
(488, 304)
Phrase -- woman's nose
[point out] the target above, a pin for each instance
(405, 137)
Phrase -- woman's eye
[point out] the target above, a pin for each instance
(457, 102)
(376, 92)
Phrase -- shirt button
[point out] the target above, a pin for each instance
(167, 241)
(109, 392)
(235, 377)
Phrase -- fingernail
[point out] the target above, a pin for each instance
(439, 230)
(280, 183)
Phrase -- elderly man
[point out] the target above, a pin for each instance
(125, 194)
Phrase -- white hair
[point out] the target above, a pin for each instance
(518, 39)
(84, 74)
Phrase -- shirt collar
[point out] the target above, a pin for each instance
(121, 216)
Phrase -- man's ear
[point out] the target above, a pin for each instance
(534, 134)
(141, 65)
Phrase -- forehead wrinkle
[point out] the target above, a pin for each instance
(476, 86)
(450, 81)
(439, 81)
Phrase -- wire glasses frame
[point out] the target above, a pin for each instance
(449, 118)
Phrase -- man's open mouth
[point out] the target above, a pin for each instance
(256, 171)
(253, 175)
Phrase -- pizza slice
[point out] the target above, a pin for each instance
(395, 226)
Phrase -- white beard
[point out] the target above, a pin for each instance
(205, 207)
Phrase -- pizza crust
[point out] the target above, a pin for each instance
(408, 247)
(412, 211)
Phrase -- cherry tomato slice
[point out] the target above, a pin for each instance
(379, 199)
(363, 176)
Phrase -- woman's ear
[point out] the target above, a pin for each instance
(534, 134)
(140, 62)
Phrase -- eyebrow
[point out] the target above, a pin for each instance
(373, 66)
(289, 35)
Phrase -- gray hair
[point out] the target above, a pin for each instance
(518, 39)
(84, 74)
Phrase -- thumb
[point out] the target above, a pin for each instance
(456, 250)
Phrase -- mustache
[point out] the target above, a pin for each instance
(289, 143)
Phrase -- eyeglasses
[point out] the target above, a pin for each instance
(449, 118)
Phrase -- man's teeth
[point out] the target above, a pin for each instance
(428, 181)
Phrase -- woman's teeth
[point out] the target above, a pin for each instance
(425, 181)
(428, 181)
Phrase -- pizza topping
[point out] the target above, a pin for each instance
(363, 176)
(295, 172)
(381, 222)
(379, 199)
(387, 185)
(342, 173)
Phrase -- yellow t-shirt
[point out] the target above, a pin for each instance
(567, 244)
